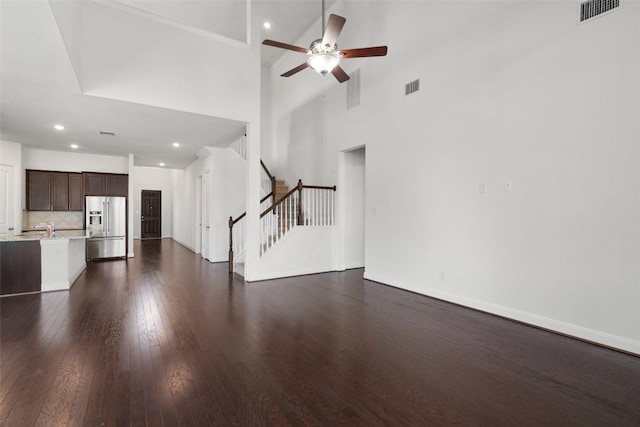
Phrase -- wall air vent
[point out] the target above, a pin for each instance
(411, 87)
(592, 8)
(353, 89)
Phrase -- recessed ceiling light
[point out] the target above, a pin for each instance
(59, 127)
(176, 144)
(161, 164)
(267, 25)
(74, 146)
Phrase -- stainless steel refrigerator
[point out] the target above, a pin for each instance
(106, 222)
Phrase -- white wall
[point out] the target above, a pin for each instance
(74, 162)
(228, 181)
(511, 92)
(158, 179)
(177, 226)
(303, 250)
(184, 190)
(11, 155)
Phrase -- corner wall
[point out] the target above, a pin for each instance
(548, 112)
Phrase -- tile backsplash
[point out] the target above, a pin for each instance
(61, 219)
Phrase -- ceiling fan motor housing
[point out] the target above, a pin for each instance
(318, 47)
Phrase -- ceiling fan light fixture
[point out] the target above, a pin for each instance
(323, 62)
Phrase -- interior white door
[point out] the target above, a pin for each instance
(206, 215)
(7, 199)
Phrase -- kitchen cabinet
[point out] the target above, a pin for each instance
(39, 190)
(95, 184)
(105, 184)
(20, 270)
(76, 192)
(54, 191)
(117, 185)
(60, 191)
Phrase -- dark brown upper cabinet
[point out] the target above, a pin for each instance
(60, 191)
(54, 191)
(105, 184)
(76, 192)
(117, 185)
(39, 190)
(95, 184)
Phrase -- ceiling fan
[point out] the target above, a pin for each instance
(324, 55)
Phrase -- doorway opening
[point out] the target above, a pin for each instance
(151, 214)
(354, 212)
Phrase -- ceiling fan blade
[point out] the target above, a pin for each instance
(364, 52)
(332, 31)
(284, 46)
(340, 74)
(295, 70)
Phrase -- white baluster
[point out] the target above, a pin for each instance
(323, 196)
(316, 193)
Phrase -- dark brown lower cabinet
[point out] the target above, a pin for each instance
(20, 267)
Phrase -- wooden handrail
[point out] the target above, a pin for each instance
(271, 178)
(266, 170)
(266, 197)
(233, 222)
(320, 187)
(275, 205)
(299, 187)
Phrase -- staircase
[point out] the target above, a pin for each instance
(282, 209)
(281, 189)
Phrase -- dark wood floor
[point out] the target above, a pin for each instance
(168, 339)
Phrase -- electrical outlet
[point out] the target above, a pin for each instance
(483, 188)
(507, 186)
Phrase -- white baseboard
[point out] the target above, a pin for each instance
(180, 242)
(74, 275)
(577, 331)
(288, 273)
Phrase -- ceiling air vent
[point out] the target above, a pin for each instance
(592, 8)
(411, 87)
(353, 89)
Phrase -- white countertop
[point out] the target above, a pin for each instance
(42, 235)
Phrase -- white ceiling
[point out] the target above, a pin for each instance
(39, 86)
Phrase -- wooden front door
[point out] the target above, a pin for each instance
(151, 214)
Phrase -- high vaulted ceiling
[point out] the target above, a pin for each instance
(54, 70)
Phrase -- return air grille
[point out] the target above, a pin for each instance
(593, 8)
(353, 89)
(412, 87)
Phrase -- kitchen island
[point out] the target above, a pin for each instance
(33, 262)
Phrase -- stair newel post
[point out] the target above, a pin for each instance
(300, 219)
(230, 245)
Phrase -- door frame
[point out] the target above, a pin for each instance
(342, 221)
(12, 201)
(142, 193)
